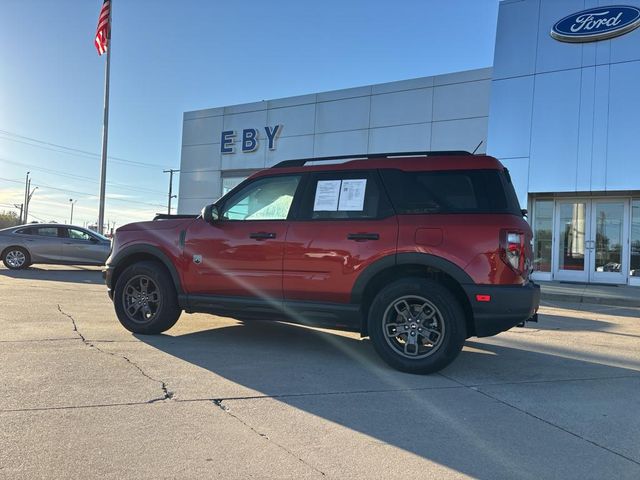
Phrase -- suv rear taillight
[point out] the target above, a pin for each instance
(512, 249)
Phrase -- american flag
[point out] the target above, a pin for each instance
(103, 32)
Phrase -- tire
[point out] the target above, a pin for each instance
(16, 258)
(145, 299)
(416, 325)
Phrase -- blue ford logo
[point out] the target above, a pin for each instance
(596, 24)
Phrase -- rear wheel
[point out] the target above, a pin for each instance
(416, 325)
(145, 299)
(16, 258)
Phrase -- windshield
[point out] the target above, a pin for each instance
(100, 236)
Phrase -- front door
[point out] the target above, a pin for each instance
(591, 240)
(82, 247)
(240, 255)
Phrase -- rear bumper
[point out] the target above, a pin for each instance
(508, 306)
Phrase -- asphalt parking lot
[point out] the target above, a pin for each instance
(80, 397)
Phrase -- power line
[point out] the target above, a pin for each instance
(34, 142)
(80, 177)
(11, 180)
(66, 190)
(37, 218)
(93, 195)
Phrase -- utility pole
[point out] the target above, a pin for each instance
(72, 201)
(26, 207)
(170, 172)
(26, 195)
(20, 206)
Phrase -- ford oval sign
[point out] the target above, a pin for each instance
(596, 24)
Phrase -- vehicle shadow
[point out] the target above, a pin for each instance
(619, 311)
(86, 275)
(557, 323)
(440, 417)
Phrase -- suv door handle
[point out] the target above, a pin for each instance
(262, 235)
(359, 237)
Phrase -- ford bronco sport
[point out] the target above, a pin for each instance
(418, 251)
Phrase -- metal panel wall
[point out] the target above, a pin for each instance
(554, 131)
(565, 110)
(432, 113)
(623, 167)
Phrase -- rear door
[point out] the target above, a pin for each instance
(344, 223)
(44, 244)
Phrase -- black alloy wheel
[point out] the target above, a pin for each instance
(145, 298)
(417, 325)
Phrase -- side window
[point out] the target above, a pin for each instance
(78, 234)
(265, 199)
(47, 231)
(344, 195)
(26, 231)
(452, 191)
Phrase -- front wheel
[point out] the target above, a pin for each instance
(145, 299)
(416, 325)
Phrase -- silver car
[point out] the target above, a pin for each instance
(52, 243)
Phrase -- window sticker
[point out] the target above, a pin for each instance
(352, 195)
(327, 194)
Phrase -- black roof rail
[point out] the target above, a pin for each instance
(166, 216)
(434, 153)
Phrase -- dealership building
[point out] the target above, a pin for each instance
(559, 108)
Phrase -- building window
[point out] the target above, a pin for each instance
(542, 230)
(229, 183)
(635, 239)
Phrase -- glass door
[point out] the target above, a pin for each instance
(572, 253)
(607, 241)
(591, 240)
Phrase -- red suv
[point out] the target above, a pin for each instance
(418, 251)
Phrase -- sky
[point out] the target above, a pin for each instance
(172, 57)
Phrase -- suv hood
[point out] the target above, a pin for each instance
(156, 225)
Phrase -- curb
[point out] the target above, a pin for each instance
(589, 300)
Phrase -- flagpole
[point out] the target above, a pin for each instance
(105, 129)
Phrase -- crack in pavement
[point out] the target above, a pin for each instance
(521, 410)
(65, 339)
(211, 399)
(459, 385)
(219, 403)
(167, 395)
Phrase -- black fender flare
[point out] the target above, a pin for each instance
(407, 258)
(115, 262)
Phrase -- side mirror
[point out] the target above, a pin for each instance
(210, 213)
(93, 240)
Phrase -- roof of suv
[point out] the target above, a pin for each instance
(416, 162)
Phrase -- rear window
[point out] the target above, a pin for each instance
(453, 191)
(46, 231)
